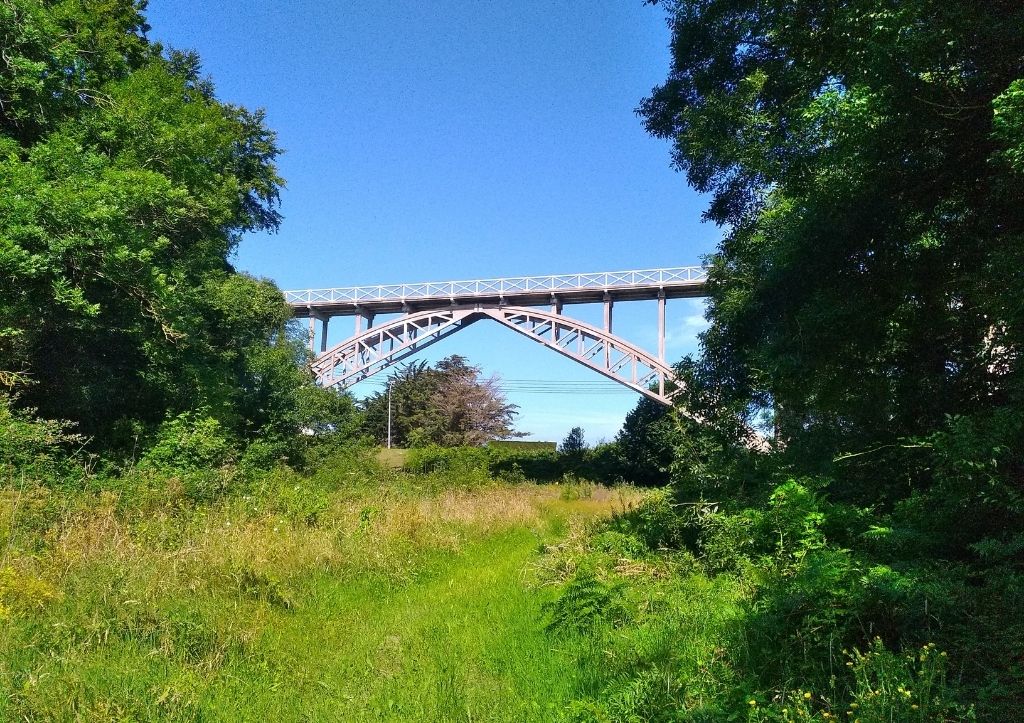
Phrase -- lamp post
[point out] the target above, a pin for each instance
(389, 414)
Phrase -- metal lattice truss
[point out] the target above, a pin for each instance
(372, 351)
(511, 286)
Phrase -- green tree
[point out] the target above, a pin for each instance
(574, 443)
(646, 444)
(126, 188)
(865, 159)
(448, 404)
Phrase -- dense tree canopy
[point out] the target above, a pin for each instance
(865, 158)
(646, 442)
(126, 186)
(448, 404)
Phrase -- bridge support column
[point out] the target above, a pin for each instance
(661, 325)
(607, 327)
(360, 315)
(313, 318)
(661, 339)
(556, 309)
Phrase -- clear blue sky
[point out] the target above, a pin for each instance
(453, 140)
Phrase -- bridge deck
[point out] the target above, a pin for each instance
(672, 283)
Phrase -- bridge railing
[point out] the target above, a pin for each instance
(490, 287)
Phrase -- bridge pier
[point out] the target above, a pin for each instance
(360, 315)
(315, 316)
(661, 325)
(556, 309)
(607, 327)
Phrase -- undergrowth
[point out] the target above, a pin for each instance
(687, 613)
(191, 587)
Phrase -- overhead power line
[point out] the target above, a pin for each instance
(543, 386)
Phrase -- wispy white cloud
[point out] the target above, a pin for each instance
(684, 333)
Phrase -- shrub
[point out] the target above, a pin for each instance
(540, 464)
(262, 454)
(35, 448)
(189, 442)
(584, 601)
(447, 459)
(575, 488)
(655, 521)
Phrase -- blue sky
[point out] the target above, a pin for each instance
(452, 140)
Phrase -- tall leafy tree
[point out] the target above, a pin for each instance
(647, 442)
(864, 158)
(448, 404)
(126, 187)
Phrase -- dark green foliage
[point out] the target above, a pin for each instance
(574, 444)
(126, 188)
(540, 464)
(646, 443)
(655, 521)
(865, 288)
(849, 442)
(36, 449)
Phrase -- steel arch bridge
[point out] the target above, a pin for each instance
(429, 312)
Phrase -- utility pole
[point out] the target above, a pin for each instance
(389, 414)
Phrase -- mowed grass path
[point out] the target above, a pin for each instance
(401, 602)
(462, 640)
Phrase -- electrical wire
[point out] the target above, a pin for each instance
(542, 386)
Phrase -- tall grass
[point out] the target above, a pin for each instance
(356, 593)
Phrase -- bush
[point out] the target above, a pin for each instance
(33, 448)
(575, 488)
(655, 521)
(540, 463)
(584, 601)
(447, 459)
(189, 442)
(260, 455)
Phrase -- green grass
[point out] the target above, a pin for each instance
(383, 596)
(362, 593)
(393, 458)
(459, 641)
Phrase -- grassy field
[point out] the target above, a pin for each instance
(393, 457)
(378, 596)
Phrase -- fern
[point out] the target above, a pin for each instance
(585, 600)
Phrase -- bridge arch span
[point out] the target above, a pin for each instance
(369, 352)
